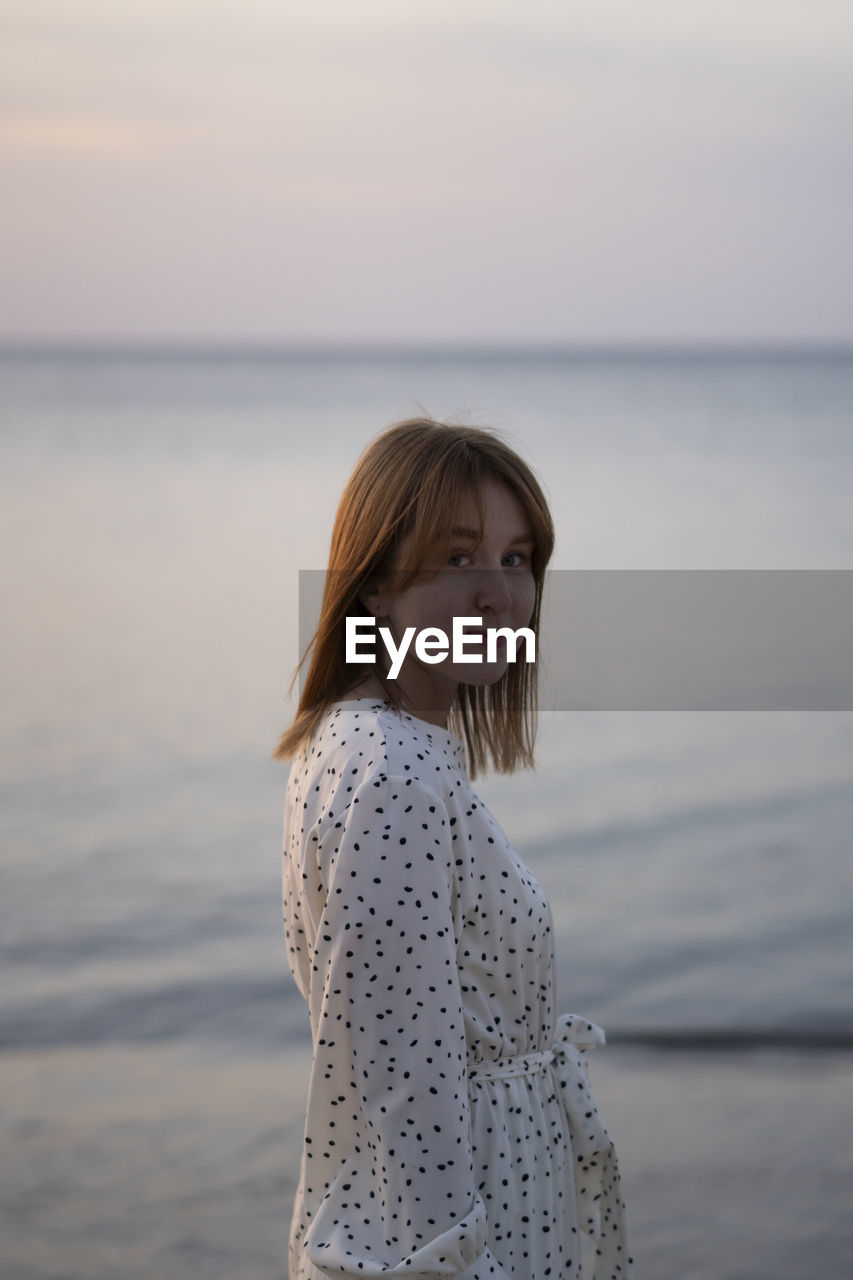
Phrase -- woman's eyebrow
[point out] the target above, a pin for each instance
(460, 531)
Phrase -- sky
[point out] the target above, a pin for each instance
(426, 171)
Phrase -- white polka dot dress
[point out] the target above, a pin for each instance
(450, 1131)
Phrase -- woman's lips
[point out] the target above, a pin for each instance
(480, 637)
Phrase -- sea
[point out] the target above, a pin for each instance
(157, 507)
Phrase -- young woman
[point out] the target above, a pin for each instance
(450, 1129)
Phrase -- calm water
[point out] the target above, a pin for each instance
(156, 510)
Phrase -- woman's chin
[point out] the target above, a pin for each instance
(481, 676)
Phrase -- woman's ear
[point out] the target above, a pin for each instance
(372, 598)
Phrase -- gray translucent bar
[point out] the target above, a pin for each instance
(684, 640)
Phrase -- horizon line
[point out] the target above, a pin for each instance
(271, 347)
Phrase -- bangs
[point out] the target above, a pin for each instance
(464, 477)
(430, 528)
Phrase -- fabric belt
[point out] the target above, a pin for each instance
(601, 1211)
(525, 1064)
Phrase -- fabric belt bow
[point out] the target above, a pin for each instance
(600, 1206)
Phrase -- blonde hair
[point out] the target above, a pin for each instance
(406, 483)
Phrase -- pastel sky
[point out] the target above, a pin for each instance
(426, 170)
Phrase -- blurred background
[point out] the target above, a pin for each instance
(237, 242)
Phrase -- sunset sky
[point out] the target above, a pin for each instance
(426, 171)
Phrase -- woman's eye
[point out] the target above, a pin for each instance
(458, 559)
(515, 559)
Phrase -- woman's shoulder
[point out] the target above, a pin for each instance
(363, 740)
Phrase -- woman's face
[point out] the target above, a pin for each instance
(492, 580)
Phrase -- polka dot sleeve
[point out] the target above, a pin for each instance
(388, 1177)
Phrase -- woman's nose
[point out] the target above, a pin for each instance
(493, 593)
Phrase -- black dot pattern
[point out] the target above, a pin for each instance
(438, 1138)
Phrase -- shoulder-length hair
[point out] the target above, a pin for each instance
(407, 482)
